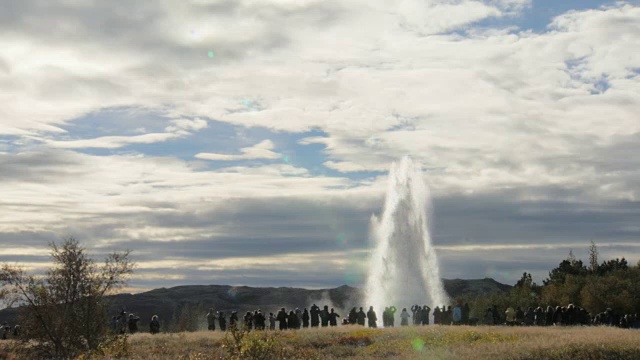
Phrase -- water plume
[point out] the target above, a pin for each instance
(403, 268)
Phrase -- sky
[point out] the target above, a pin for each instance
(247, 142)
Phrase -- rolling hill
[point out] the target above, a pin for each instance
(169, 303)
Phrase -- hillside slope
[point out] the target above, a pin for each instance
(167, 303)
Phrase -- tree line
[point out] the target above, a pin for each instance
(593, 285)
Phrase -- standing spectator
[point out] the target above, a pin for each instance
(233, 320)
(437, 316)
(292, 320)
(16, 331)
(324, 316)
(404, 317)
(248, 320)
(299, 315)
(133, 323)
(353, 316)
(424, 315)
(211, 320)
(371, 316)
(361, 317)
(259, 320)
(305, 318)
(519, 316)
(272, 321)
(465, 313)
(154, 325)
(385, 317)
(392, 316)
(416, 310)
(333, 318)
(449, 315)
(539, 316)
(222, 320)
(457, 314)
(114, 324)
(122, 323)
(282, 319)
(510, 315)
(557, 316)
(315, 315)
(6, 330)
(548, 316)
(529, 317)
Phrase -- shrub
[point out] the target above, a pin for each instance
(63, 313)
(255, 345)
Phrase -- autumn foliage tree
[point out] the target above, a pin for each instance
(64, 310)
(609, 284)
(600, 285)
(525, 293)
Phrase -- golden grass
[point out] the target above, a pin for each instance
(445, 342)
(433, 342)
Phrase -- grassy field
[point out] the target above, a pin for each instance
(434, 342)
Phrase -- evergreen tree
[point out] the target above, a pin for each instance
(569, 266)
(593, 258)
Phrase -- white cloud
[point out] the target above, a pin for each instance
(547, 246)
(185, 126)
(262, 150)
(276, 169)
(80, 186)
(113, 142)
(178, 128)
(433, 17)
(484, 110)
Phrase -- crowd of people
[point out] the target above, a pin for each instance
(7, 331)
(459, 314)
(417, 315)
(128, 323)
(323, 317)
(560, 316)
(294, 319)
(422, 315)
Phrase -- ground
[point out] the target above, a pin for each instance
(433, 342)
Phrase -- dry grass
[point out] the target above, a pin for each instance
(434, 342)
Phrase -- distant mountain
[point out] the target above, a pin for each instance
(474, 287)
(169, 303)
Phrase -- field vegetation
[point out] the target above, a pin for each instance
(354, 342)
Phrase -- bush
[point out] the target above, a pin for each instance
(245, 344)
(63, 311)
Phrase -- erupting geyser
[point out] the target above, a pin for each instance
(404, 268)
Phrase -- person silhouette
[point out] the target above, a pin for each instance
(404, 317)
(371, 316)
(361, 316)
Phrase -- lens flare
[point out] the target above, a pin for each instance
(417, 344)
